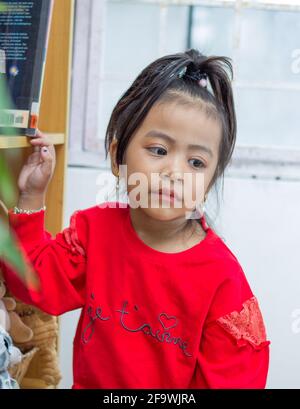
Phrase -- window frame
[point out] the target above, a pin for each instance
(87, 151)
(85, 96)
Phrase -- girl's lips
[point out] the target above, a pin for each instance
(166, 193)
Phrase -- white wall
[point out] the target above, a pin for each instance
(259, 222)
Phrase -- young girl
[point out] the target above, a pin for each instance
(165, 303)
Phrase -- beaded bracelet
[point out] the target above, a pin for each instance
(17, 210)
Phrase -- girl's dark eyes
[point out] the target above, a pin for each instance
(163, 152)
(158, 148)
(200, 163)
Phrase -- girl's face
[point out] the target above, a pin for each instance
(178, 145)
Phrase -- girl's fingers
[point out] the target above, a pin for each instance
(46, 165)
(40, 141)
(39, 133)
(38, 146)
(39, 149)
(40, 138)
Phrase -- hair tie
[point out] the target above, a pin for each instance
(200, 77)
(203, 81)
(182, 72)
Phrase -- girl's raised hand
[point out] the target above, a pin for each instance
(38, 170)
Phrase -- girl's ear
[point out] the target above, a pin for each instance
(113, 154)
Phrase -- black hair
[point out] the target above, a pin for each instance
(159, 82)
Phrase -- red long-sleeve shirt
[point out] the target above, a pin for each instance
(149, 319)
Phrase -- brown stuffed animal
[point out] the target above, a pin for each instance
(14, 325)
(29, 328)
(45, 330)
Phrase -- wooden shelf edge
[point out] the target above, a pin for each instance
(10, 142)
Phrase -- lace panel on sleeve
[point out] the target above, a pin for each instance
(246, 325)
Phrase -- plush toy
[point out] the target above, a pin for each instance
(10, 320)
(45, 330)
(29, 328)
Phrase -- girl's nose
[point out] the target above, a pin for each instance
(174, 175)
(174, 168)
